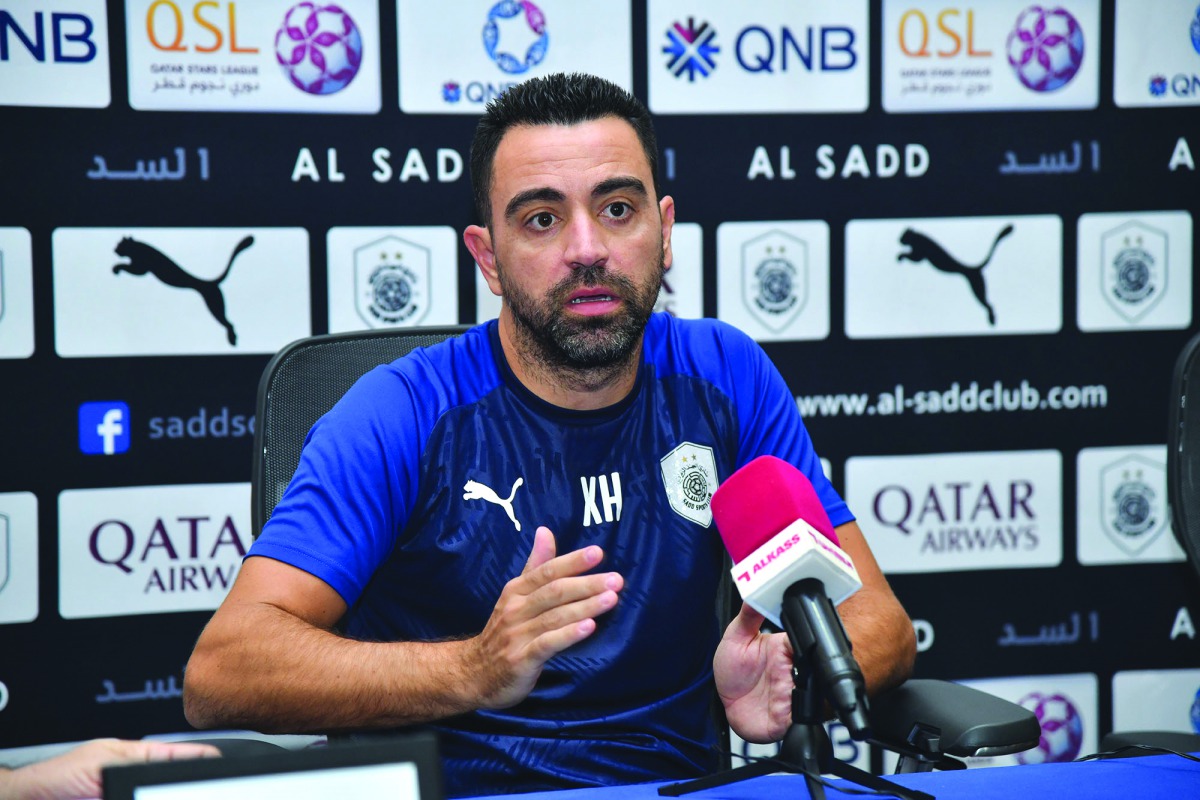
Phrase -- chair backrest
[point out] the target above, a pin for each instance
(303, 381)
(1183, 451)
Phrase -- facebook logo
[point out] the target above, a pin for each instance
(104, 428)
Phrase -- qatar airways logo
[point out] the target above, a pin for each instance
(958, 511)
(150, 549)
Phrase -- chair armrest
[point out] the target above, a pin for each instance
(939, 717)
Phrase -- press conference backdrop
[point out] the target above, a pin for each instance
(964, 231)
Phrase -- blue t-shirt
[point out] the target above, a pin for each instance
(417, 498)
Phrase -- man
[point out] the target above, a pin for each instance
(533, 460)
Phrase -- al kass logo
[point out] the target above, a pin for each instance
(150, 549)
(961, 510)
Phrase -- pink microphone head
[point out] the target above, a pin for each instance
(761, 499)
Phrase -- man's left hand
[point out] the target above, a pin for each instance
(753, 673)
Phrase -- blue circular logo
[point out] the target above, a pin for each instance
(512, 63)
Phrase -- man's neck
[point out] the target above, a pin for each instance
(577, 389)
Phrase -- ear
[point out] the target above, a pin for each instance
(478, 240)
(666, 210)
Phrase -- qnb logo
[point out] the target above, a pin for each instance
(146, 259)
(319, 48)
(691, 49)
(1181, 85)
(496, 41)
(829, 48)
(1045, 48)
(104, 428)
(922, 248)
(70, 37)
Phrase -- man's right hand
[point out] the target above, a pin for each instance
(550, 606)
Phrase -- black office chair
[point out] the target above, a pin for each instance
(1183, 505)
(303, 381)
(929, 723)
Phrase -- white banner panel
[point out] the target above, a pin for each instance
(947, 512)
(772, 56)
(456, 67)
(266, 55)
(1135, 270)
(56, 54)
(16, 293)
(1157, 700)
(1122, 515)
(999, 55)
(394, 277)
(773, 278)
(150, 549)
(1157, 53)
(953, 276)
(18, 557)
(179, 291)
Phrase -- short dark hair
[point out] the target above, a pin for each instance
(558, 99)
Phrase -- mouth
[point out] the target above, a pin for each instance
(591, 298)
(593, 301)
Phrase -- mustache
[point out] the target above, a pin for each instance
(591, 277)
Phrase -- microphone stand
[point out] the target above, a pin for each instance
(805, 749)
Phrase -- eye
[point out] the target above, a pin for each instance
(619, 209)
(542, 220)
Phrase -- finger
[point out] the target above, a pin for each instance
(746, 625)
(543, 549)
(569, 565)
(556, 600)
(567, 625)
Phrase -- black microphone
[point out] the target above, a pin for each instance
(787, 566)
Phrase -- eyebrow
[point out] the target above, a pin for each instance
(545, 194)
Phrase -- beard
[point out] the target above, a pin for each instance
(564, 341)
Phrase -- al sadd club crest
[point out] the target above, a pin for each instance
(775, 278)
(1133, 505)
(690, 478)
(1133, 270)
(391, 282)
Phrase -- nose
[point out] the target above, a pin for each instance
(586, 242)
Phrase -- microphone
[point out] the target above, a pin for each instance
(788, 567)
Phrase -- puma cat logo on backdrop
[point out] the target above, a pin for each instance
(922, 248)
(144, 258)
(474, 490)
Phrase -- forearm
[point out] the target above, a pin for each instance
(267, 670)
(882, 638)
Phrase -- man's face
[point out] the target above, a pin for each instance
(579, 241)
